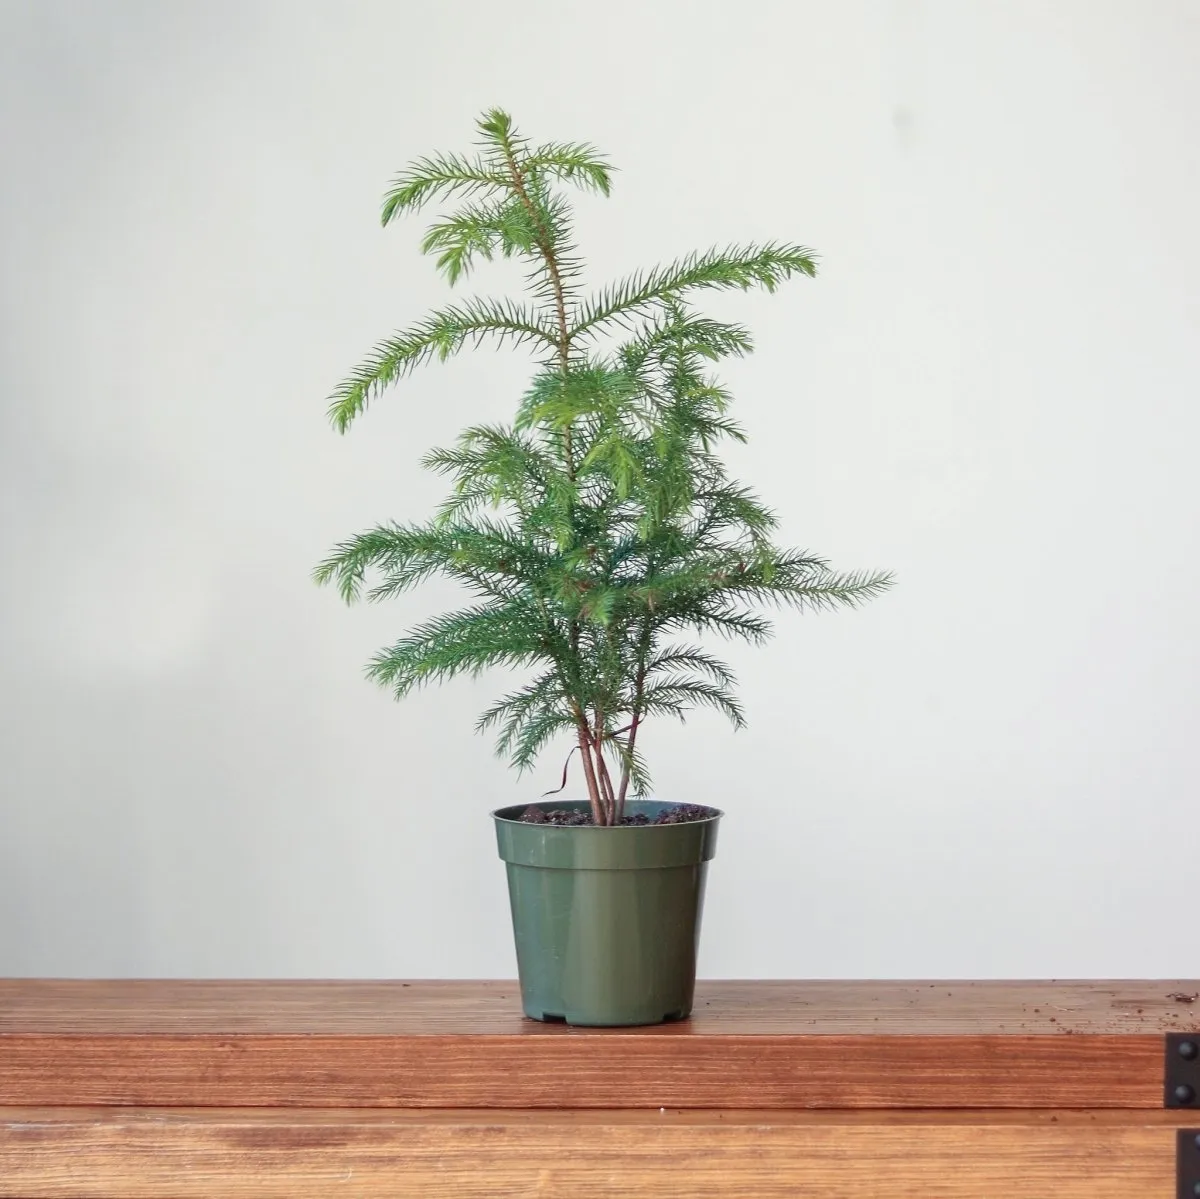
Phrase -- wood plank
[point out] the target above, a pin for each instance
(752, 1045)
(738, 1007)
(632, 1071)
(132, 1154)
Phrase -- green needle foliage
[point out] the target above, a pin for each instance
(599, 534)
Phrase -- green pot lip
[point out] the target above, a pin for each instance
(499, 815)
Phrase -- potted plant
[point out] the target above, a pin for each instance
(601, 540)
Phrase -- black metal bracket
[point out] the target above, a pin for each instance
(1182, 1072)
(1187, 1164)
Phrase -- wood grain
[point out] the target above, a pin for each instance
(552, 1072)
(442, 1045)
(751, 1008)
(160, 1154)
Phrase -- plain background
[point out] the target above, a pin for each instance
(991, 389)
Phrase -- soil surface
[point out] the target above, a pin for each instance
(683, 813)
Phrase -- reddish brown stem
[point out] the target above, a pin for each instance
(627, 766)
(605, 779)
(639, 689)
(589, 771)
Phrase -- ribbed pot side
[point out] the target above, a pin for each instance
(606, 920)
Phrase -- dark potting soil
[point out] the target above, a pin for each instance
(683, 813)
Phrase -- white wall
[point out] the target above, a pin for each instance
(991, 389)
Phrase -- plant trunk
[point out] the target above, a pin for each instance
(589, 771)
(606, 788)
(602, 773)
(635, 721)
(627, 765)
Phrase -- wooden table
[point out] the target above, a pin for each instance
(219, 1090)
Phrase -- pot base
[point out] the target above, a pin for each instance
(591, 1020)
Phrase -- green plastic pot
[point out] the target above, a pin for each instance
(606, 920)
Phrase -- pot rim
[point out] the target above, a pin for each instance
(497, 815)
